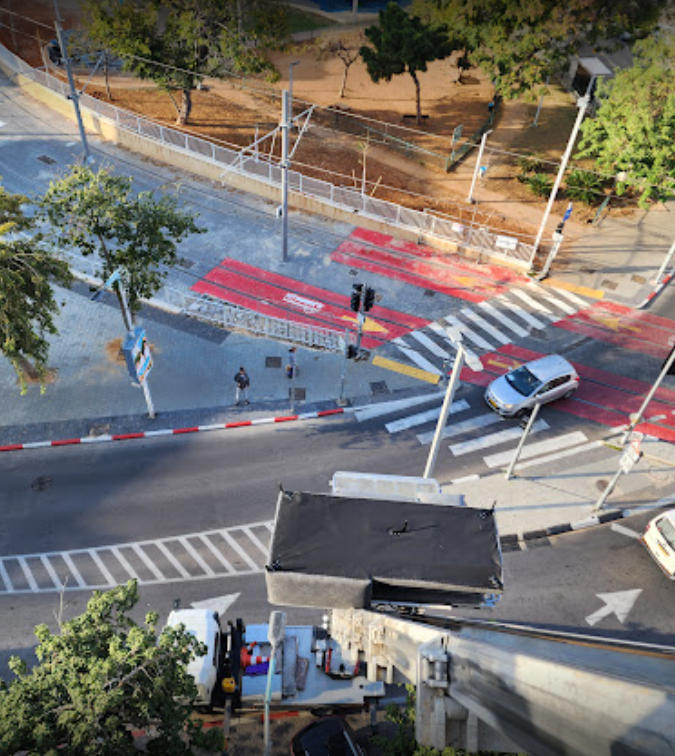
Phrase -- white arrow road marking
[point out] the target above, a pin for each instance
(624, 530)
(220, 604)
(619, 603)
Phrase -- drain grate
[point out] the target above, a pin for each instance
(638, 279)
(353, 272)
(185, 263)
(429, 293)
(611, 285)
(99, 430)
(272, 362)
(538, 333)
(298, 394)
(379, 387)
(46, 160)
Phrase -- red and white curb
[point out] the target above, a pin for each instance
(656, 291)
(171, 431)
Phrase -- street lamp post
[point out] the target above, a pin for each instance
(74, 96)
(286, 116)
(479, 162)
(583, 107)
(475, 364)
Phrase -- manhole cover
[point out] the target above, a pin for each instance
(638, 279)
(298, 394)
(379, 387)
(41, 483)
(272, 362)
(353, 272)
(538, 333)
(429, 293)
(185, 263)
(46, 160)
(99, 430)
(611, 285)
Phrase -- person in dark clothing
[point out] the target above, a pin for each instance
(241, 382)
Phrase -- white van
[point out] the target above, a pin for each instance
(659, 539)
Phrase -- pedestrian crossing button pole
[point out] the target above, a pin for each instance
(475, 364)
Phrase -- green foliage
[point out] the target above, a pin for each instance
(176, 43)
(519, 45)
(101, 677)
(27, 303)
(585, 186)
(403, 44)
(632, 131)
(540, 184)
(98, 213)
(531, 164)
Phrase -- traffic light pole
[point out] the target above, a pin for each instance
(636, 418)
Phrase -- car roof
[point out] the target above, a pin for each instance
(549, 367)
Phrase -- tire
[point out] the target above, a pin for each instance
(520, 414)
(569, 394)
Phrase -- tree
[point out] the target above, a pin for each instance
(521, 45)
(177, 43)
(102, 676)
(346, 47)
(27, 304)
(97, 213)
(403, 44)
(631, 134)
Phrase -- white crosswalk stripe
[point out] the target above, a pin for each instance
(540, 447)
(371, 411)
(179, 558)
(488, 325)
(493, 439)
(456, 429)
(429, 416)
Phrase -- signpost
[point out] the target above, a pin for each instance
(630, 457)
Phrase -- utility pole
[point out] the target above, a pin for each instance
(456, 337)
(74, 96)
(583, 104)
(479, 162)
(285, 125)
(668, 367)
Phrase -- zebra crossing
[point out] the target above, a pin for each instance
(477, 431)
(225, 552)
(488, 325)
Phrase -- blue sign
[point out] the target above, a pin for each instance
(137, 354)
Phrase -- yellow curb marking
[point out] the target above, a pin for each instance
(556, 283)
(368, 325)
(507, 365)
(399, 367)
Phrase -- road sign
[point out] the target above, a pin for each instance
(137, 354)
(630, 457)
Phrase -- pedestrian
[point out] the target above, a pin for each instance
(292, 367)
(242, 382)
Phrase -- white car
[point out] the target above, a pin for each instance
(659, 539)
(538, 382)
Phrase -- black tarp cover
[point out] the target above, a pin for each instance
(342, 552)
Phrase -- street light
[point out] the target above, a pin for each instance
(286, 116)
(474, 362)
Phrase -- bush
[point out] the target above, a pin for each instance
(585, 187)
(530, 164)
(539, 184)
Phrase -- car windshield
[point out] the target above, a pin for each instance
(523, 381)
(667, 530)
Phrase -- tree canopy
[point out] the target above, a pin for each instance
(100, 677)
(403, 44)
(28, 306)
(519, 45)
(98, 213)
(633, 131)
(176, 43)
(346, 47)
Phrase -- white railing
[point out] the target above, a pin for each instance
(475, 237)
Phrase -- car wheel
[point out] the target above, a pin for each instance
(569, 394)
(521, 413)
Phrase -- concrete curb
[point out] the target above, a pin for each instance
(171, 431)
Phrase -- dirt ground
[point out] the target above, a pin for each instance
(236, 112)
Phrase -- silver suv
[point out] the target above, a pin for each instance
(538, 382)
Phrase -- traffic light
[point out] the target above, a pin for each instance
(352, 352)
(356, 297)
(368, 299)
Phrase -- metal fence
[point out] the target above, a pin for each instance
(422, 223)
